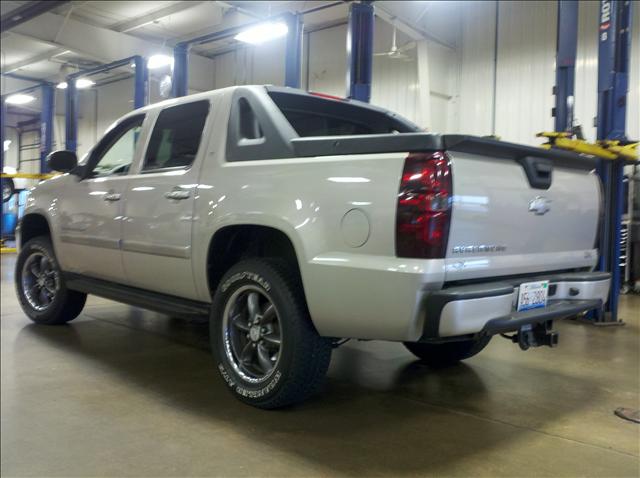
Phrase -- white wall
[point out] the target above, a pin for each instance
(525, 69)
(477, 68)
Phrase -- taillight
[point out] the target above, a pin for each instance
(424, 206)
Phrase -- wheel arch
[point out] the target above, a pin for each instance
(235, 242)
(33, 225)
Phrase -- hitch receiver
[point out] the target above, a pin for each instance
(536, 335)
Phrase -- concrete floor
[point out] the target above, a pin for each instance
(124, 392)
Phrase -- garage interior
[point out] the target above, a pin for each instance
(126, 392)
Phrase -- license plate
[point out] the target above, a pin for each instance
(533, 295)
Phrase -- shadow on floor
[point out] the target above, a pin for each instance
(402, 424)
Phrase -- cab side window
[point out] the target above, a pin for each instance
(176, 137)
(114, 154)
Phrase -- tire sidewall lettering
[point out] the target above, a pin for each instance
(246, 275)
(245, 392)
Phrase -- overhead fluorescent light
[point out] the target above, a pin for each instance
(19, 99)
(159, 61)
(81, 83)
(262, 33)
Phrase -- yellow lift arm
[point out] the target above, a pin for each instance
(606, 149)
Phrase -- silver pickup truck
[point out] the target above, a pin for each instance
(296, 220)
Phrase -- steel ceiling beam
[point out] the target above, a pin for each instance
(106, 45)
(45, 55)
(26, 12)
(132, 24)
(406, 27)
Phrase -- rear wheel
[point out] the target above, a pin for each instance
(266, 348)
(40, 287)
(448, 353)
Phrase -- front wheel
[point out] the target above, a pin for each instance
(40, 287)
(448, 353)
(265, 346)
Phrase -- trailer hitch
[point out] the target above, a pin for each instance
(535, 335)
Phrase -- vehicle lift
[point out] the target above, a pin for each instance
(47, 97)
(612, 146)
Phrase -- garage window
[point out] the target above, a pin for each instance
(176, 137)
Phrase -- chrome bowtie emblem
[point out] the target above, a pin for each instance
(540, 205)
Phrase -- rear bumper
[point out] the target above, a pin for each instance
(489, 308)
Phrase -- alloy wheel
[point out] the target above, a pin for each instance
(251, 334)
(40, 281)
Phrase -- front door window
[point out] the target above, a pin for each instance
(115, 153)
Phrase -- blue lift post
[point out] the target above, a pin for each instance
(180, 80)
(46, 124)
(566, 50)
(140, 95)
(613, 78)
(3, 116)
(360, 51)
(293, 53)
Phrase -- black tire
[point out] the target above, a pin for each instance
(8, 189)
(302, 357)
(62, 304)
(448, 353)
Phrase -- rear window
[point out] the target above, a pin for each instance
(316, 116)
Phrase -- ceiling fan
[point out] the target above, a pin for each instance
(397, 53)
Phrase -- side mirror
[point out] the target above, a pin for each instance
(62, 161)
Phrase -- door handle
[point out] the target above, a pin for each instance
(112, 197)
(177, 194)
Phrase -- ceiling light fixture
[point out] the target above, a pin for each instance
(19, 99)
(262, 33)
(81, 84)
(159, 61)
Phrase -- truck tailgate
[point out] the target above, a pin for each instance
(508, 221)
